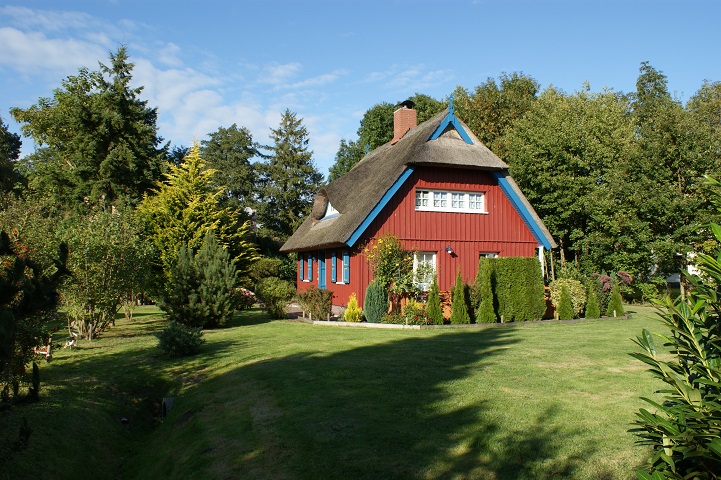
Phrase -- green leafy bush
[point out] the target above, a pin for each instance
(353, 313)
(576, 291)
(433, 308)
(276, 294)
(565, 309)
(375, 303)
(483, 292)
(459, 305)
(413, 314)
(615, 303)
(592, 308)
(179, 340)
(317, 302)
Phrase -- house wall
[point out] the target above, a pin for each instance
(500, 231)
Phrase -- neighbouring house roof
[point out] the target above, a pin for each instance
(360, 194)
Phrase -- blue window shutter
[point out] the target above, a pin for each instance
(321, 269)
(346, 266)
(333, 273)
(302, 266)
(310, 268)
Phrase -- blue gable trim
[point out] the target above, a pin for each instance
(451, 119)
(379, 206)
(521, 209)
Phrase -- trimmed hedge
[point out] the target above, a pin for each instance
(483, 292)
(516, 287)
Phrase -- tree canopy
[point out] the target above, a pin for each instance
(96, 137)
(289, 179)
(10, 144)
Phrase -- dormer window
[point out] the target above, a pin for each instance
(330, 212)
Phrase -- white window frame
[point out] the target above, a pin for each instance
(418, 259)
(488, 254)
(429, 200)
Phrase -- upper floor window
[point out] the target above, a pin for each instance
(448, 201)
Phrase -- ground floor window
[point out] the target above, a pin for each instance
(424, 269)
(488, 255)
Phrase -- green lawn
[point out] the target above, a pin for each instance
(274, 400)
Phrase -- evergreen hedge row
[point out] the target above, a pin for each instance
(516, 286)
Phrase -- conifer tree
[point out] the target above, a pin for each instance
(433, 310)
(615, 303)
(185, 208)
(375, 303)
(592, 308)
(565, 307)
(485, 313)
(96, 138)
(459, 307)
(353, 313)
(289, 181)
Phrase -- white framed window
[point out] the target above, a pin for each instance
(424, 268)
(422, 198)
(489, 254)
(449, 201)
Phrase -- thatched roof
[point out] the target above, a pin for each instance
(357, 193)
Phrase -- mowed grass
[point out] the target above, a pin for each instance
(281, 399)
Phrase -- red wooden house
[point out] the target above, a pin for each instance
(437, 188)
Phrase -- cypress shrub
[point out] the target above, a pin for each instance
(376, 302)
(433, 309)
(179, 340)
(353, 313)
(518, 288)
(565, 307)
(485, 312)
(592, 308)
(459, 307)
(615, 303)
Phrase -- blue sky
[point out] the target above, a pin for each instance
(214, 63)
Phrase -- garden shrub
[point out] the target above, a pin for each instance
(649, 292)
(265, 267)
(565, 308)
(592, 308)
(684, 428)
(376, 302)
(459, 307)
(201, 291)
(413, 314)
(518, 288)
(244, 299)
(615, 303)
(391, 264)
(353, 313)
(179, 340)
(483, 292)
(433, 307)
(275, 294)
(318, 302)
(576, 291)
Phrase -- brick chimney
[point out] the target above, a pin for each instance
(404, 119)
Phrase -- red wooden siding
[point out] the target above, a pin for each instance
(500, 231)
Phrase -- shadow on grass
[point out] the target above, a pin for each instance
(401, 409)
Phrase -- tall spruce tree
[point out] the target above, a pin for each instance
(433, 309)
(290, 179)
(96, 137)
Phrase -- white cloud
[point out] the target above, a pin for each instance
(33, 52)
(47, 20)
(278, 74)
(320, 80)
